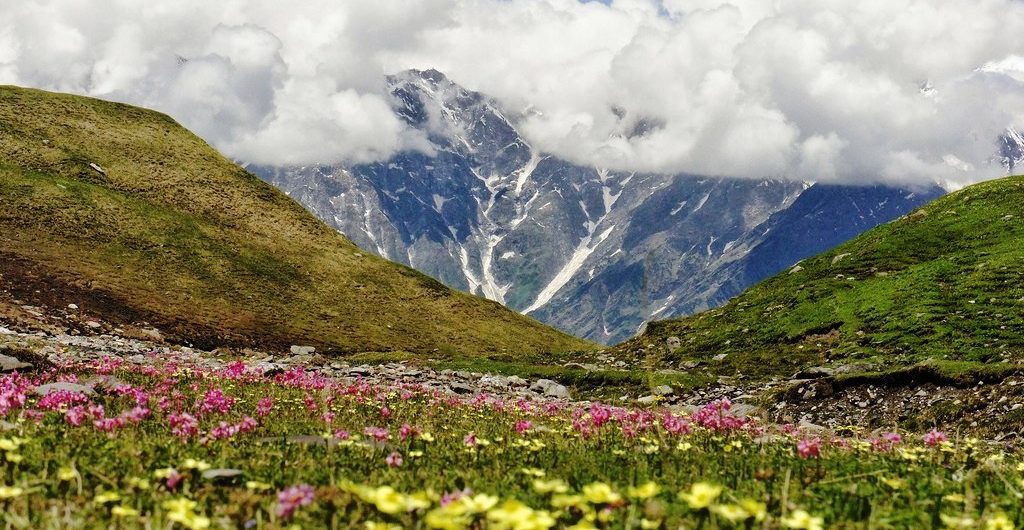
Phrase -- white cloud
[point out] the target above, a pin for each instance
(808, 89)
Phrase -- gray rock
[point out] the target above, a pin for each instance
(223, 475)
(460, 388)
(673, 344)
(49, 388)
(550, 388)
(663, 390)
(720, 356)
(10, 364)
(93, 324)
(302, 350)
(817, 372)
(647, 400)
(515, 380)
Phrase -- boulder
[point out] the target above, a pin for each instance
(49, 388)
(10, 364)
(663, 390)
(673, 344)
(549, 388)
(302, 350)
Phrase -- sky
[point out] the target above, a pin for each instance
(896, 91)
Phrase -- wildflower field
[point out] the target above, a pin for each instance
(168, 446)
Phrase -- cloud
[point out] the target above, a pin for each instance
(826, 90)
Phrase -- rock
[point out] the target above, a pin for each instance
(72, 306)
(363, 370)
(96, 167)
(93, 324)
(515, 380)
(744, 410)
(796, 269)
(720, 356)
(460, 388)
(817, 372)
(106, 383)
(495, 381)
(663, 390)
(839, 257)
(673, 344)
(550, 388)
(811, 427)
(152, 334)
(647, 400)
(302, 350)
(223, 475)
(10, 364)
(47, 389)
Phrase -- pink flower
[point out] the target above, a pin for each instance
(394, 459)
(76, 415)
(377, 433)
(215, 400)
(173, 479)
(810, 448)
(341, 434)
(385, 412)
(406, 430)
(183, 425)
(934, 437)
(470, 440)
(263, 406)
(293, 498)
(523, 425)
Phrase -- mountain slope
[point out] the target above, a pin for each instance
(593, 252)
(945, 282)
(121, 204)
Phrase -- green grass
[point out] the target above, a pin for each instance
(944, 283)
(179, 236)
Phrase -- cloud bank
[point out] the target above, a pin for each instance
(826, 90)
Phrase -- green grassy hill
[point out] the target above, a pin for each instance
(944, 284)
(165, 229)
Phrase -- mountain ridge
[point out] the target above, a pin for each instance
(593, 252)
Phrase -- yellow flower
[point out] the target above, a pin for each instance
(647, 524)
(427, 437)
(123, 511)
(13, 458)
(107, 497)
(479, 503)
(733, 513)
(701, 495)
(684, 446)
(999, 522)
(10, 492)
(802, 520)
(645, 491)
(954, 498)
(182, 511)
(11, 444)
(952, 521)
(583, 525)
(514, 515)
(374, 525)
(256, 485)
(415, 454)
(600, 493)
(550, 486)
(895, 483)
(198, 465)
(758, 510)
(565, 501)
(65, 474)
(532, 472)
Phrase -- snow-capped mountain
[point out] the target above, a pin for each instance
(1011, 150)
(594, 252)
